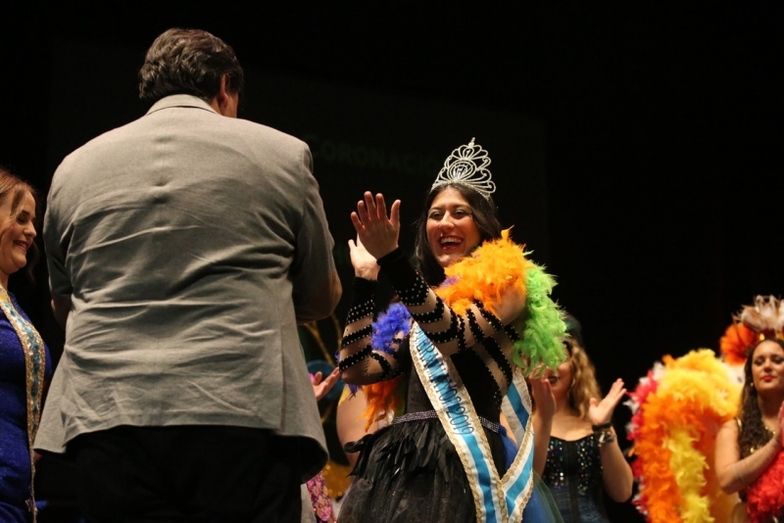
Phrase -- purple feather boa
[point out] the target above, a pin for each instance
(395, 320)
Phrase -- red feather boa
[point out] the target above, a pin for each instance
(765, 497)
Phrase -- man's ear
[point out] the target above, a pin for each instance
(225, 102)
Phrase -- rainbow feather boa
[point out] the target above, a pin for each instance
(486, 275)
(494, 268)
(676, 411)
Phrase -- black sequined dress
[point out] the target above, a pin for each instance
(574, 475)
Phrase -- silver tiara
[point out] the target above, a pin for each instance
(467, 165)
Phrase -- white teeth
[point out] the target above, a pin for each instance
(452, 241)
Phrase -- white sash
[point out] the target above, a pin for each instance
(496, 499)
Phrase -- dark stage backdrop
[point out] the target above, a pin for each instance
(636, 149)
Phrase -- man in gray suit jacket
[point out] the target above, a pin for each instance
(183, 249)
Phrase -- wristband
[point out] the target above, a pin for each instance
(604, 437)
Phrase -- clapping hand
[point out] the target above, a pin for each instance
(781, 424)
(543, 397)
(375, 230)
(600, 412)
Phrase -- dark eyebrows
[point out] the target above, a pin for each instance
(456, 206)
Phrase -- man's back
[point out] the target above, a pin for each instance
(181, 238)
(183, 248)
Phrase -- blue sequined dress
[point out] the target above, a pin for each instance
(15, 473)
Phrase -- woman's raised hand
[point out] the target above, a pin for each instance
(378, 232)
(543, 397)
(600, 412)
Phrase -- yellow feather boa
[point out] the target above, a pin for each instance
(674, 432)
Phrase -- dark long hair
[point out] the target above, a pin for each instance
(753, 433)
(485, 216)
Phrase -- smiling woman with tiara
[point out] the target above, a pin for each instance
(472, 318)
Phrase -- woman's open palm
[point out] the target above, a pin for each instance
(600, 412)
(377, 231)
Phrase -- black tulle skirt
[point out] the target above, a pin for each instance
(410, 472)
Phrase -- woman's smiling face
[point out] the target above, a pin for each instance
(18, 234)
(451, 230)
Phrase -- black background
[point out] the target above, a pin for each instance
(636, 147)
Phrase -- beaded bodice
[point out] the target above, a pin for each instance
(573, 473)
(476, 341)
(573, 461)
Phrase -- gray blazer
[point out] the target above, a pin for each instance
(191, 246)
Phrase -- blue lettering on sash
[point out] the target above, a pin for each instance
(455, 411)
